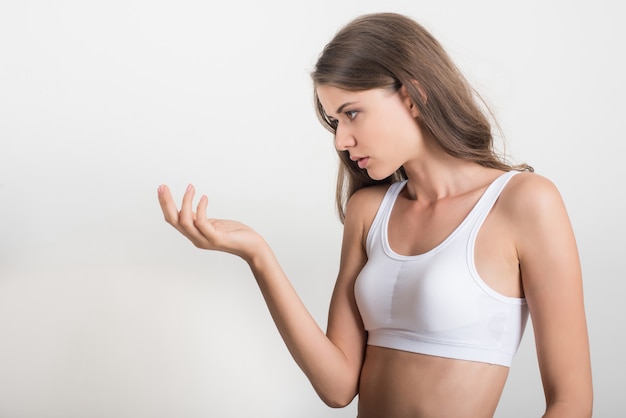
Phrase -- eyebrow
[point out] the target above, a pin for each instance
(343, 106)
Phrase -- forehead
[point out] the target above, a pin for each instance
(331, 94)
(332, 98)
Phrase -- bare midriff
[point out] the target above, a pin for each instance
(399, 384)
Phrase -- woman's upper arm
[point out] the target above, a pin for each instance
(552, 281)
(345, 327)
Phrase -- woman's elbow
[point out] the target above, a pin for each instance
(335, 401)
(337, 397)
(580, 406)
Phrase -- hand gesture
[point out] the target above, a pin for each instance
(209, 234)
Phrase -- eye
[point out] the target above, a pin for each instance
(351, 114)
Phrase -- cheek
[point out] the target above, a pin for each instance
(386, 125)
(406, 130)
(399, 132)
(398, 117)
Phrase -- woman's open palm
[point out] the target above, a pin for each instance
(209, 234)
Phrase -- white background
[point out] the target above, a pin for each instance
(106, 311)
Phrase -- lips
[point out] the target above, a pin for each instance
(362, 162)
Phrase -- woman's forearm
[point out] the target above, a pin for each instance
(325, 365)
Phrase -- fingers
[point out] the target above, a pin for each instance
(170, 212)
(201, 210)
(186, 215)
(187, 220)
(183, 220)
(201, 222)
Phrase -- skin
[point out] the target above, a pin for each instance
(525, 248)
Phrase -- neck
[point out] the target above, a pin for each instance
(438, 175)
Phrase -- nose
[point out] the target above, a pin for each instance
(343, 138)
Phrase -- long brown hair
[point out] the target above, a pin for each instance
(388, 50)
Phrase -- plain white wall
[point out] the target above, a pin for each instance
(105, 311)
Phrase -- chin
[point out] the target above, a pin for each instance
(378, 176)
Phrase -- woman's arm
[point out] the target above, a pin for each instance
(552, 281)
(331, 361)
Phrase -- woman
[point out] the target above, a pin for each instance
(446, 247)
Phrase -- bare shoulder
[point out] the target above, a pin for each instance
(364, 203)
(362, 207)
(529, 195)
(538, 218)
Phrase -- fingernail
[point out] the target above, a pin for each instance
(189, 187)
(159, 189)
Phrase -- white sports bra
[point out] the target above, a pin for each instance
(436, 303)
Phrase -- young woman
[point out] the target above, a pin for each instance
(446, 249)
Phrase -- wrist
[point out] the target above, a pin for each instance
(259, 257)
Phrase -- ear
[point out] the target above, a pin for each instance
(406, 99)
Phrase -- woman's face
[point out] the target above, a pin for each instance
(377, 127)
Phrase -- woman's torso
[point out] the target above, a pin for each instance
(395, 383)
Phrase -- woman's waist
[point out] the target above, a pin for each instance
(397, 384)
